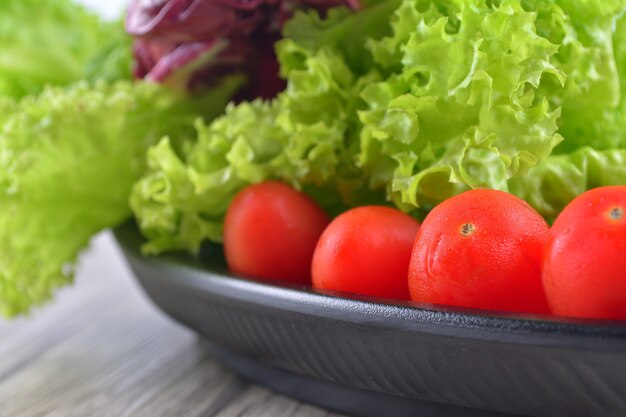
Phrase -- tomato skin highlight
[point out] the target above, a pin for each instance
(270, 232)
(481, 249)
(584, 270)
(366, 251)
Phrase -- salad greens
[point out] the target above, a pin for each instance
(405, 102)
(57, 42)
(594, 125)
(557, 180)
(410, 102)
(303, 137)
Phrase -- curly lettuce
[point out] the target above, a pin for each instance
(306, 137)
(68, 159)
(594, 123)
(552, 184)
(182, 199)
(408, 102)
(458, 106)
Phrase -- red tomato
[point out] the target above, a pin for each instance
(480, 249)
(584, 270)
(270, 232)
(366, 251)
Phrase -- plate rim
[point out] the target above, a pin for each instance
(516, 328)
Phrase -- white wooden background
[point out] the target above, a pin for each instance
(102, 350)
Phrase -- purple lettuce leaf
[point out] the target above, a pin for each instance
(191, 44)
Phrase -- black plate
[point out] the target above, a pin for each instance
(368, 357)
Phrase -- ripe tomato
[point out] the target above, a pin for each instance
(366, 250)
(270, 232)
(584, 270)
(480, 249)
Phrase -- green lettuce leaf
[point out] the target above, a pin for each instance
(594, 114)
(57, 42)
(68, 159)
(182, 199)
(480, 92)
(557, 180)
(587, 35)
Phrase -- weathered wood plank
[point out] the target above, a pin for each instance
(102, 350)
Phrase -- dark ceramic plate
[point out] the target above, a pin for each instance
(375, 358)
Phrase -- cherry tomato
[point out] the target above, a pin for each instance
(584, 270)
(270, 232)
(480, 249)
(366, 251)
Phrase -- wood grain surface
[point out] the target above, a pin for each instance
(102, 350)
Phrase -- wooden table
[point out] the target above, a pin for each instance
(102, 350)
